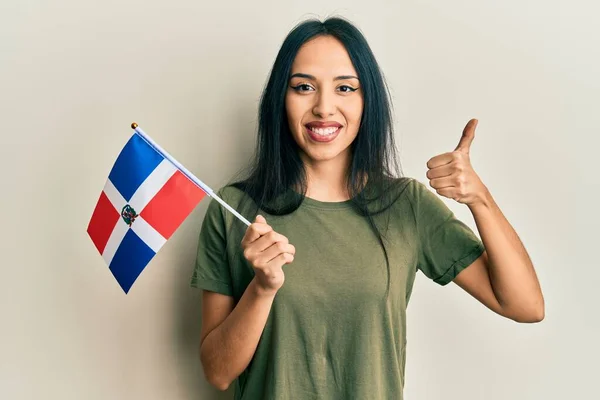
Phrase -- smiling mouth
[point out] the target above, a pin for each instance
(325, 131)
(323, 135)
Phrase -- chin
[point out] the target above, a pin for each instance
(322, 156)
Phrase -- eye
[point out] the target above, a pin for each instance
(347, 89)
(303, 87)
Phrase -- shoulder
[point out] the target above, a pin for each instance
(237, 199)
(230, 193)
(406, 188)
(389, 196)
(415, 189)
(412, 185)
(428, 206)
(413, 194)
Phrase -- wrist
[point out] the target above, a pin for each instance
(483, 200)
(259, 291)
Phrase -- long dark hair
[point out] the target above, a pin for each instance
(277, 167)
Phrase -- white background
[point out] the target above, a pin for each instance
(74, 75)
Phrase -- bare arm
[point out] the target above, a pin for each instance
(504, 278)
(230, 335)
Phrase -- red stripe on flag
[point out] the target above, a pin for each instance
(103, 221)
(172, 204)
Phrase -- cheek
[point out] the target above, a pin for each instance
(354, 112)
(293, 111)
(288, 107)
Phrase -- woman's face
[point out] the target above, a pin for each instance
(324, 101)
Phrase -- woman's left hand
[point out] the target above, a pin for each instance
(452, 175)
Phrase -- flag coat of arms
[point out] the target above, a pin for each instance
(145, 199)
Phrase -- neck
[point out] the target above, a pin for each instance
(326, 180)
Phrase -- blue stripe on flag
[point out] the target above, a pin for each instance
(135, 162)
(131, 258)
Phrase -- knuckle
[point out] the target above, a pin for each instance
(253, 228)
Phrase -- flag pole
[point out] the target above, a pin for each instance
(187, 173)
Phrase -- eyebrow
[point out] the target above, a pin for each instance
(337, 78)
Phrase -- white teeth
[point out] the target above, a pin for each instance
(324, 132)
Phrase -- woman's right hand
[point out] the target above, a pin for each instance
(267, 251)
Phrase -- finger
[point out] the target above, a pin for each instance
(468, 134)
(275, 250)
(288, 258)
(440, 172)
(281, 260)
(448, 192)
(445, 182)
(268, 239)
(440, 160)
(256, 230)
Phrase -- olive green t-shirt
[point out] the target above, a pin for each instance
(332, 332)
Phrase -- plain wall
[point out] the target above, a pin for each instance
(75, 74)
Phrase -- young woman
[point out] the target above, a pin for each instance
(334, 219)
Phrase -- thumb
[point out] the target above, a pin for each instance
(467, 137)
(261, 219)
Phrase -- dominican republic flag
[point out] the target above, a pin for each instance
(146, 197)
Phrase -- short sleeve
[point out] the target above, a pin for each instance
(447, 245)
(211, 271)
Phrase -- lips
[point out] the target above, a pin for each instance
(323, 135)
(322, 125)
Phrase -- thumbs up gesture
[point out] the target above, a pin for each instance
(451, 174)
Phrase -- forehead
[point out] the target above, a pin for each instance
(323, 56)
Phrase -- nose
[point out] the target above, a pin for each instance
(325, 104)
